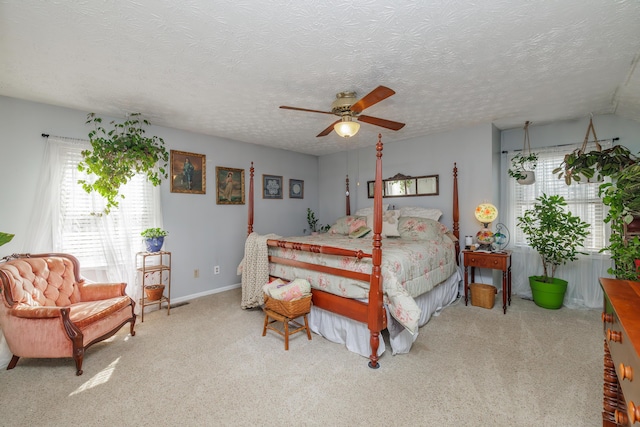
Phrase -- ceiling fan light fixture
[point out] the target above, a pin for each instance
(346, 128)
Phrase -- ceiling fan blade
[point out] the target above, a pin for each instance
(373, 97)
(305, 109)
(381, 122)
(328, 130)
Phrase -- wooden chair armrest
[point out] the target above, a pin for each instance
(27, 312)
(100, 291)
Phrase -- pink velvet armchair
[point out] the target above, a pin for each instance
(48, 310)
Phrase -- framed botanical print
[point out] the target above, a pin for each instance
(188, 172)
(296, 189)
(229, 186)
(271, 187)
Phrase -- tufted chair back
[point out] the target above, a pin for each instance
(42, 282)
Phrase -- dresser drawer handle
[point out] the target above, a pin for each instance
(626, 372)
(633, 412)
(614, 336)
(620, 417)
(607, 317)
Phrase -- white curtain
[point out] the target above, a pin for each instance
(62, 221)
(584, 289)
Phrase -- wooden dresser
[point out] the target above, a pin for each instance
(621, 326)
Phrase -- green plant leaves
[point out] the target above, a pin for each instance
(553, 231)
(5, 238)
(521, 163)
(119, 154)
(150, 233)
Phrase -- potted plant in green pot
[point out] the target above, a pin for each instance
(556, 234)
(120, 153)
(154, 238)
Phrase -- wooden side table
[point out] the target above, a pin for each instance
(492, 260)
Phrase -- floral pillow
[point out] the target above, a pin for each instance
(389, 223)
(420, 228)
(347, 224)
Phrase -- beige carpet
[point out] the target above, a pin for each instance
(207, 364)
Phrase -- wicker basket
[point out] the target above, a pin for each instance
(154, 292)
(483, 295)
(290, 309)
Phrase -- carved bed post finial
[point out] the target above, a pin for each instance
(348, 210)
(250, 226)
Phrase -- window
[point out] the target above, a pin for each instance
(105, 245)
(582, 199)
(80, 224)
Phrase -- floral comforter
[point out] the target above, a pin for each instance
(409, 268)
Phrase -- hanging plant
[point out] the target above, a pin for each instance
(593, 166)
(523, 164)
(579, 166)
(120, 153)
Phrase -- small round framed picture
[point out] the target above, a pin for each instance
(296, 189)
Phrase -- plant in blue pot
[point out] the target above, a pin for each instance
(556, 234)
(154, 238)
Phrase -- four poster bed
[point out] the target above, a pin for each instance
(357, 292)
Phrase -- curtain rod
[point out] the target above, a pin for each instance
(560, 145)
(65, 138)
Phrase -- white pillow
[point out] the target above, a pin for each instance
(417, 212)
(369, 210)
(389, 223)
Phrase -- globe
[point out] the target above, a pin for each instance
(485, 236)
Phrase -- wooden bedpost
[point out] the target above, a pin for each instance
(348, 210)
(456, 211)
(250, 224)
(375, 289)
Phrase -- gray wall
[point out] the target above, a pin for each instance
(201, 233)
(573, 132)
(475, 150)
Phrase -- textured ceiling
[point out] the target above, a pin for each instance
(223, 68)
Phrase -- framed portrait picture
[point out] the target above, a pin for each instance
(188, 172)
(271, 187)
(296, 189)
(229, 186)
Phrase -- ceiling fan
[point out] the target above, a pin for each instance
(347, 108)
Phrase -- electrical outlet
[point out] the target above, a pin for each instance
(216, 269)
(196, 273)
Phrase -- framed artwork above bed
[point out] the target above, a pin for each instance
(271, 187)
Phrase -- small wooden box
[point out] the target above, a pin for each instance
(483, 295)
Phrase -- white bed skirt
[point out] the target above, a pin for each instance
(355, 335)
